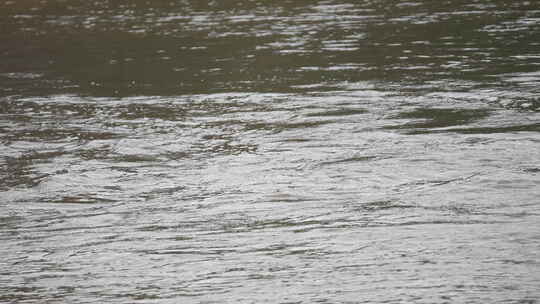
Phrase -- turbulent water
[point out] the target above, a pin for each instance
(269, 151)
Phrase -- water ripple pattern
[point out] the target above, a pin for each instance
(269, 151)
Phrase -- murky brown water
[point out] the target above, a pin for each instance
(269, 151)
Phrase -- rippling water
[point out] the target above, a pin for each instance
(269, 151)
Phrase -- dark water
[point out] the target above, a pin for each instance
(269, 151)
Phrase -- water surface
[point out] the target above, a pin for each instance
(269, 151)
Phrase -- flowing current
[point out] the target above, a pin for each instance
(258, 151)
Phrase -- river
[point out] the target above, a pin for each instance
(258, 151)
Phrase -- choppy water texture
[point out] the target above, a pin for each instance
(269, 151)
